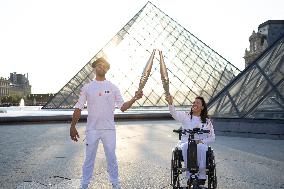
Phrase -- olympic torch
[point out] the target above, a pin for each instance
(146, 71)
(164, 74)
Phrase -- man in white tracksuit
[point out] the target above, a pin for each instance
(101, 96)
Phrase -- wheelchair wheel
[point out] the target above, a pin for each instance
(175, 164)
(212, 175)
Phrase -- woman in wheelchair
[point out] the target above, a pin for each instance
(196, 118)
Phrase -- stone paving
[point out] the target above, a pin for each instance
(43, 156)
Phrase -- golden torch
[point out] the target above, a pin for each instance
(164, 74)
(146, 71)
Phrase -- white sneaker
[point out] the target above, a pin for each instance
(116, 186)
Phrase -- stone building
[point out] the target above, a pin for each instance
(4, 87)
(19, 85)
(268, 32)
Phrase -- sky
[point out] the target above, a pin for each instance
(52, 40)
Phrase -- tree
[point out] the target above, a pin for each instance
(11, 100)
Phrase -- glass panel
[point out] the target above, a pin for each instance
(236, 89)
(280, 87)
(225, 108)
(212, 110)
(272, 107)
(251, 92)
(193, 68)
(57, 100)
(275, 69)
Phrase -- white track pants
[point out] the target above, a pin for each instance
(201, 158)
(108, 138)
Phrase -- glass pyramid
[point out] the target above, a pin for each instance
(257, 92)
(194, 69)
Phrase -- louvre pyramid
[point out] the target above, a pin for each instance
(193, 67)
(258, 91)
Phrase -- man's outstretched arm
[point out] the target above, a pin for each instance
(128, 104)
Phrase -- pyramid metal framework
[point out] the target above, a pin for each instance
(194, 69)
(257, 92)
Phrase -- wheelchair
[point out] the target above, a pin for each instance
(177, 166)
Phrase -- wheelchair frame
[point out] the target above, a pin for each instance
(177, 169)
